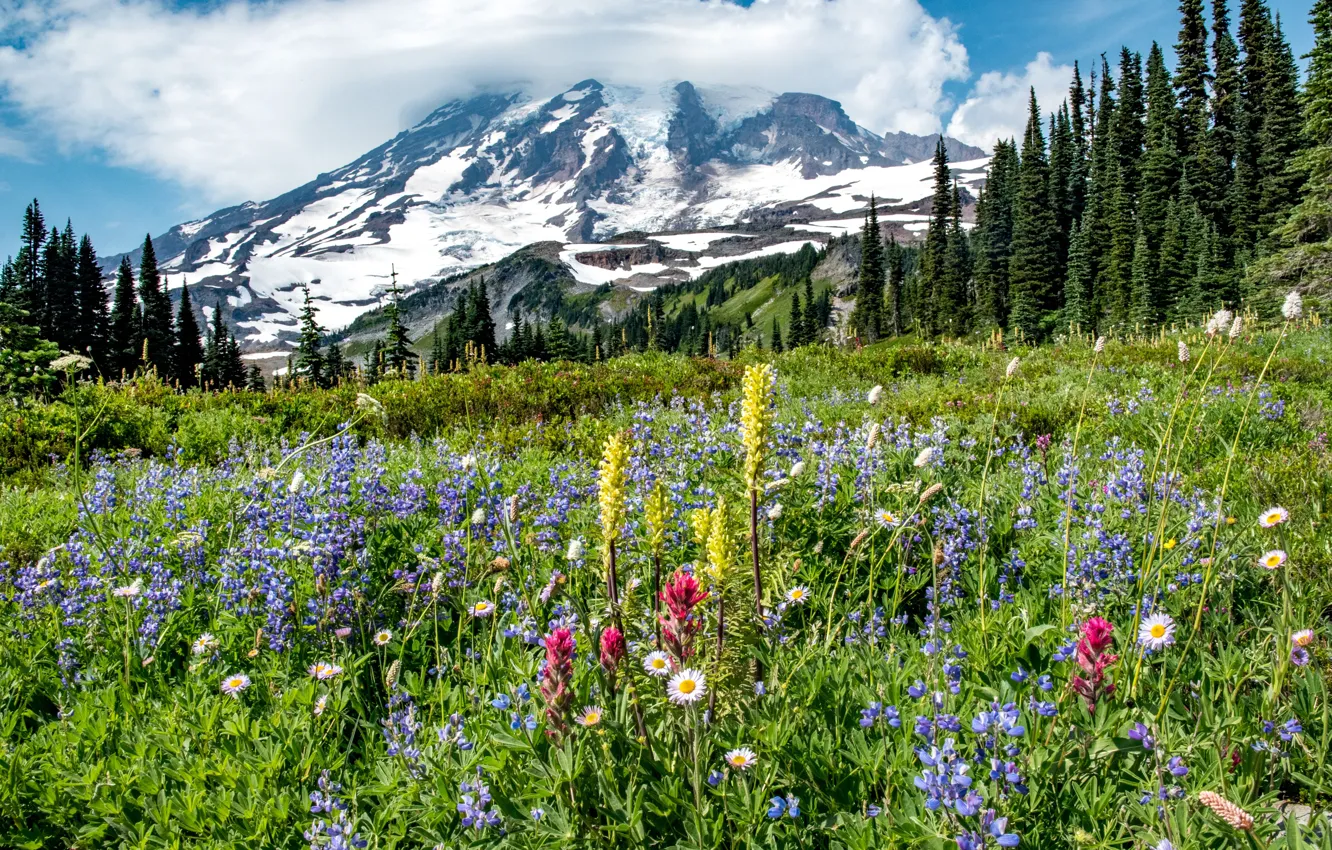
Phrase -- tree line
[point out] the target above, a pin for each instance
(1147, 197)
(54, 288)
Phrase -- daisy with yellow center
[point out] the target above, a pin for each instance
(1303, 637)
(742, 758)
(1273, 517)
(324, 671)
(687, 687)
(482, 609)
(886, 518)
(589, 716)
(232, 686)
(657, 664)
(1273, 559)
(1157, 631)
(797, 595)
(382, 637)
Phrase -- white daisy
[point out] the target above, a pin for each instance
(686, 687)
(482, 609)
(382, 637)
(657, 664)
(590, 716)
(797, 595)
(1303, 637)
(886, 518)
(129, 591)
(1273, 517)
(204, 644)
(1157, 631)
(323, 670)
(741, 758)
(1272, 560)
(320, 705)
(233, 685)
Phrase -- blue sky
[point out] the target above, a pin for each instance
(134, 155)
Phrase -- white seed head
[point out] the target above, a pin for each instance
(797, 469)
(575, 551)
(1236, 327)
(1293, 308)
(296, 481)
(875, 394)
(926, 455)
(1183, 352)
(873, 439)
(1100, 345)
(1012, 368)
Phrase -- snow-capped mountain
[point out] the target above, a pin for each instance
(480, 178)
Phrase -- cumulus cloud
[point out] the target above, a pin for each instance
(996, 108)
(248, 100)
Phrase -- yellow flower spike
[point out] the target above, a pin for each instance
(701, 521)
(614, 464)
(719, 544)
(756, 418)
(656, 517)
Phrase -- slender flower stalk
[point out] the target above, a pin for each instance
(755, 427)
(985, 472)
(657, 512)
(614, 465)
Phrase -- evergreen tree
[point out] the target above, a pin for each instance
(157, 330)
(254, 380)
(866, 316)
(892, 295)
(1192, 77)
(1162, 152)
(1078, 282)
(28, 264)
(1255, 35)
(233, 365)
(1062, 154)
(993, 240)
(336, 366)
(954, 308)
(1280, 138)
(795, 327)
(1033, 259)
(1223, 137)
(1101, 193)
(1173, 272)
(1127, 134)
(398, 357)
(439, 360)
(213, 370)
(189, 353)
(93, 328)
(934, 260)
(1077, 178)
(123, 348)
(483, 326)
(1305, 238)
(59, 316)
(1143, 308)
(309, 364)
(777, 346)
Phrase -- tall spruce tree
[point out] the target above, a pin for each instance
(309, 365)
(1032, 265)
(398, 356)
(954, 307)
(28, 263)
(934, 258)
(1078, 282)
(93, 327)
(1223, 137)
(1077, 179)
(795, 325)
(993, 241)
(157, 330)
(1192, 77)
(123, 349)
(189, 354)
(483, 325)
(1280, 139)
(1161, 170)
(1255, 35)
(59, 316)
(867, 315)
(1305, 239)
(892, 297)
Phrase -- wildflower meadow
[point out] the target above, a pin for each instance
(1068, 596)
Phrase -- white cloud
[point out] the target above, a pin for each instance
(12, 147)
(250, 100)
(997, 106)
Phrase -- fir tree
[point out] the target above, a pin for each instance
(1143, 308)
(1160, 168)
(189, 353)
(398, 357)
(1062, 154)
(1077, 178)
(892, 295)
(776, 336)
(59, 316)
(123, 348)
(1078, 282)
(1126, 138)
(28, 264)
(993, 239)
(1192, 77)
(157, 330)
(439, 346)
(1280, 138)
(866, 316)
(213, 371)
(483, 326)
(1305, 239)
(93, 328)
(336, 366)
(795, 326)
(954, 308)
(934, 260)
(1223, 136)
(254, 380)
(1033, 259)
(309, 364)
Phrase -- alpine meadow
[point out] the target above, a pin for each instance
(695, 468)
